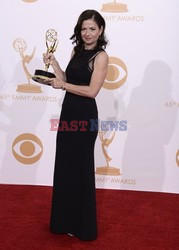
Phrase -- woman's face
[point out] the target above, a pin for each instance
(90, 33)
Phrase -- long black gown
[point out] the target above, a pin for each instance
(74, 200)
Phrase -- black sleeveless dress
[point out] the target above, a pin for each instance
(74, 201)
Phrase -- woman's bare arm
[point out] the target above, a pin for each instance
(97, 79)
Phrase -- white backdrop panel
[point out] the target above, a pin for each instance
(143, 49)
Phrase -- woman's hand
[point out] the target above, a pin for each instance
(49, 58)
(57, 83)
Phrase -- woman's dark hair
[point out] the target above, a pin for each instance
(76, 37)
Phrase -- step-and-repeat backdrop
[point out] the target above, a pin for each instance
(138, 103)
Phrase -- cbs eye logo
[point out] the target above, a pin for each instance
(177, 158)
(116, 75)
(27, 148)
(29, 1)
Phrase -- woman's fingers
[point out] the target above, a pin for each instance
(52, 82)
(48, 58)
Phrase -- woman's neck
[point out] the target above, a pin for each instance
(89, 47)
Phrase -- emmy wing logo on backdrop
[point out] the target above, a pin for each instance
(105, 142)
(177, 158)
(27, 148)
(117, 74)
(114, 7)
(20, 46)
(118, 12)
(29, 1)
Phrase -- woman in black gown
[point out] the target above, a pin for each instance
(74, 202)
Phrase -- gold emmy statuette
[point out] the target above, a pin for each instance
(51, 42)
(106, 170)
(114, 7)
(20, 46)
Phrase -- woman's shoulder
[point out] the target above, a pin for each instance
(72, 53)
(102, 58)
(102, 54)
